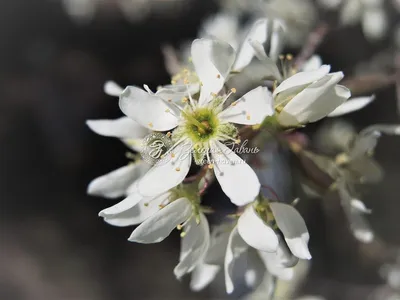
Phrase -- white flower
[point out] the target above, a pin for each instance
(255, 231)
(135, 208)
(307, 97)
(370, 13)
(119, 182)
(201, 125)
(312, 66)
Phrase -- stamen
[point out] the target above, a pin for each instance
(192, 103)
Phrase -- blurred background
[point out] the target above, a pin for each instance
(54, 59)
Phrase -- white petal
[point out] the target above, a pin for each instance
(315, 102)
(168, 172)
(302, 79)
(129, 202)
(148, 110)
(314, 63)
(351, 105)
(222, 26)
(116, 183)
(123, 128)
(202, 276)
(250, 109)
(219, 239)
(194, 246)
(212, 61)
(374, 23)
(258, 32)
(237, 179)
(255, 232)
(112, 89)
(236, 246)
(158, 226)
(137, 214)
(299, 246)
(360, 206)
(276, 45)
(275, 264)
(351, 12)
(271, 69)
(330, 4)
(176, 93)
(293, 227)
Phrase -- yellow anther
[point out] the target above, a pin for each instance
(185, 99)
(173, 81)
(179, 227)
(214, 94)
(150, 125)
(211, 166)
(238, 141)
(168, 134)
(281, 56)
(185, 81)
(167, 110)
(289, 56)
(234, 104)
(173, 155)
(183, 234)
(169, 100)
(233, 90)
(248, 117)
(218, 76)
(178, 169)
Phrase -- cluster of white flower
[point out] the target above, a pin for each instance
(199, 113)
(133, 10)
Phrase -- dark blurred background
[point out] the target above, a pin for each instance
(53, 245)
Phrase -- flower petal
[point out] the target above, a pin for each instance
(112, 89)
(123, 128)
(148, 110)
(255, 232)
(351, 105)
(374, 23)
(176, 93)
(168, 172)
(212, 61)
(358, 224)
(158, 226)
(116, 183)
(123, 205)
(203, 275)
(237, 179)
(315, 102)
(219, 239)
(250, 109)
(271, 69)
(302, 79)
(293, 227)
(313, 63)
(276, 263)
(258, 32)
(137, 214)
(194, 246)
(351, 12)
(236, 246)
(277, 40)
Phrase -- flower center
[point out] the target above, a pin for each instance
(201, 124)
